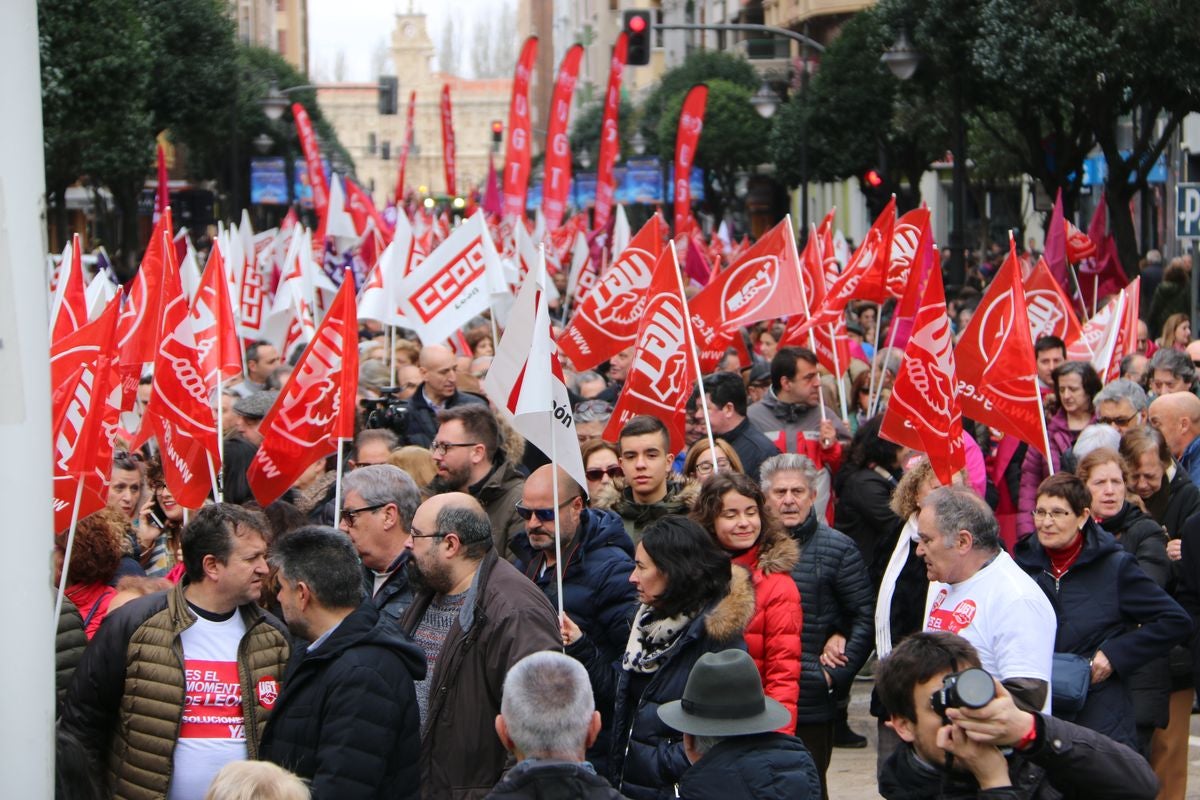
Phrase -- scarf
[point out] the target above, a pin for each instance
(887, 587)
(1061, 560)
(651, 640)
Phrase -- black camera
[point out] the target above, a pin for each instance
(971, 688)
(387, 411)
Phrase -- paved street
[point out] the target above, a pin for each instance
(852, 773)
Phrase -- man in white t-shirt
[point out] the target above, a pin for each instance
(177, 684)
(977, 591)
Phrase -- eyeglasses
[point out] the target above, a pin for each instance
(351, 514)
(543, 514)
(132, 455)
(1056, 514)
(597, 473)
(157, 486)
(1120, 422)
(706, 467)
(440, 448)
(415, 533)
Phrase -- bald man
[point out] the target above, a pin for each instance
(437, 392)
(1177, 417)
(474, 616)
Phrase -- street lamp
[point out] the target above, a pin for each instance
(262, 143)
(902, 59)
(584, 158)
(639, 143)
(275, 103)
(765, 101)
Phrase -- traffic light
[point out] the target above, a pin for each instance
(638, 30)
(873, 179)
(497, 133)
(388, 85)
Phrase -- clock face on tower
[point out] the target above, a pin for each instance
(409, 30)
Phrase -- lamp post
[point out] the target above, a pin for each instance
(902, 58)
(765, 101)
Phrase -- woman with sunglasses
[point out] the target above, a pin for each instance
(1109, 611)
(602, 468)
(733, 509)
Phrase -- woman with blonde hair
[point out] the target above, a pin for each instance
(698, 465)
(416, 461)
(1176, 332)
(256, 780)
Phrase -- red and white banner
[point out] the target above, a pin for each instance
(923, 412)
(1050, 312)
(69, 309)
(607, 320)
(610, 135)
(312, 157)
(316, 406)
(404, 148)
(662, 373)
(141, 313)
(448, 158)
(556, 182)
(687, 138)
(213, 324)
(517, 155)
(906, 236)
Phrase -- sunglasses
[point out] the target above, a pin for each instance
(1120, 422)
(598, 473)
(543, 514)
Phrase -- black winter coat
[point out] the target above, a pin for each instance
(422, 425)
(863, 513)
(548, 779)
(1105, 601)
(395, 596)
(1065, 761)
(347, 718)
(751, 445)
(836, 596)
(646, 757)
(1183, 500)
(768, 766)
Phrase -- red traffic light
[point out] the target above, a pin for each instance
(637, 23)
(497, 126)
(873, 178)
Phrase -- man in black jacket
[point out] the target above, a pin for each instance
(726, 396)
(347, 717)
(835, 592)
(438, 391)
(1049, 757)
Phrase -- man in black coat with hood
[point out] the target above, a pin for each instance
(347, 717)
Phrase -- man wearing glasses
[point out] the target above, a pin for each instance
(597, 558)
(1122, 404)
(474, 616)
(378, 505)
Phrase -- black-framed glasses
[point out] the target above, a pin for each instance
(706, 467)
(1120, 422)
(440, 448)
(543, 514)
(415, 533)
(613, 471)
(351, 514)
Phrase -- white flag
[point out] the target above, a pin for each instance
(525, 382)
(621, 233)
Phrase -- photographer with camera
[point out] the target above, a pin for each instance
(964, 737)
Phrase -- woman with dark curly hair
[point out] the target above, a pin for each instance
(733, 509)
(95, 555)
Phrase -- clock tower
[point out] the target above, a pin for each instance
(412, 50)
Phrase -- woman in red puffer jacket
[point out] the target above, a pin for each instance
(732, 508)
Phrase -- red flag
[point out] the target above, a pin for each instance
(556, 182)
(829, 259)
(662, 373)
(1050, 312)
(695, 264)
(831, 346)
(85, 410)
(610, 135)
(923, 412)
(213, 324)
(180, 413)
(69, 311)
(1101, 275)
(687, 137)
(404, 148)
(905, 240)
(607, 320)
(493, 204)
(312, 157)
(1056, 246)
(517, 154)
(449, 163)
(141, 316)
(994, 358)
(162, 194)
(905, 314)
(1127, 332)
(1079, 245)
(316, 406)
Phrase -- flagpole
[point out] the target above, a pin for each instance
(1037, 392)
(891, 342)
(1095, 291)
(871, 386)
(391, 338)
(62, 581)
(841, 386)
(812, 339)
(558, 565)
(702, 399)
(212, 476)
(337, 486)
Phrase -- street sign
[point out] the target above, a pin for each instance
(1187, 210)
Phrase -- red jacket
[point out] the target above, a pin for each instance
(773, 635)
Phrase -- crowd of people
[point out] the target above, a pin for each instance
(719, 600)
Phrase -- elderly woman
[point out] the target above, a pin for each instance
(1075, 384)
(1109, 611)
(698, 464)
(733, 509)
(602, 468)
(1167, 492)
(1106, 476)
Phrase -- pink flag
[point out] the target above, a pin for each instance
(312, 157)
(448, 157)
(492, 201)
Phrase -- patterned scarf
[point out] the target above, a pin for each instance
(651, 640)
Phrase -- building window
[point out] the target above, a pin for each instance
(282, 43)
(385, 150)
(370, 144)
(658, 31)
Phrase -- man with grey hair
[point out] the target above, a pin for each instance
(1122, 404)
(977, 591)
(589, 384)
(475, 616)
(548, 720)
(1171, 370)
(838, 629)
(378, 504)
(358, 670)
(590, 418)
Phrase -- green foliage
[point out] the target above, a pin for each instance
(585, 127)
(702, 66)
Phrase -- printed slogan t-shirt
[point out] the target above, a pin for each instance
(212, 731)
(1004, 614)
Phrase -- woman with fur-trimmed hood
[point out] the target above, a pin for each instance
(733, 509)
(692, 601)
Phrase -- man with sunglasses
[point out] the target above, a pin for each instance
(597, 558)
(378, 504)
(1122, 404)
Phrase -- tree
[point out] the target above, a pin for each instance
(447, 52)
(700, 66)
(586, 124)
(731, 127)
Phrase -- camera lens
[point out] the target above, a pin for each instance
(975, 688)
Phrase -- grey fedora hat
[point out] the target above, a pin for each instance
(724, 697)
